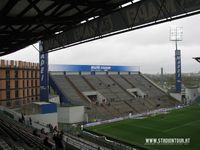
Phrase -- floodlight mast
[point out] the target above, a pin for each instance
(176, 34)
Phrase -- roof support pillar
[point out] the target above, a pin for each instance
(44, 79)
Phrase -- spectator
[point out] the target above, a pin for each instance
(42, 131)
(47, 143)
(50, 128)
(23, 118)
(61, 138)
(59, 141)
(30, 121)
(35, 132)
(20, 120)
(55, 129)
(55, 138)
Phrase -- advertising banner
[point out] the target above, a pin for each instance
(178, 70)
(96, 68)
(44, 92)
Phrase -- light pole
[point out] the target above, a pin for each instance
(176, 34)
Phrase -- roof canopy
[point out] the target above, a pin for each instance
(25, 22)
(64, 23)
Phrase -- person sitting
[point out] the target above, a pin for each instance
(35, 132)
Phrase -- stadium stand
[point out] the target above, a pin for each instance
(160, 98)
(79, 82)
(4, 145)
(67, 89)
(101, 87)
(17, 136)
(114, 88)
(121, 81)
(124, 94)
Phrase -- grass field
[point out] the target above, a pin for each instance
(182, 123)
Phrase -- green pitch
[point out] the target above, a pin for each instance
(182, 123)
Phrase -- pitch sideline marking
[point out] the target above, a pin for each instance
(181, 126)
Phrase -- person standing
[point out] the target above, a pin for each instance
(59, 141)
(30, 121)
(47, 143)
(23, 118)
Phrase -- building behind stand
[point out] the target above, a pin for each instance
(19, 83)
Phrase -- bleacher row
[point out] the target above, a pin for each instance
(17, 136)
(119, 101)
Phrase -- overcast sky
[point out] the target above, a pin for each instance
(148, 48)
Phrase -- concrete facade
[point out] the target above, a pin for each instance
(191, 94)
(71, 115)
